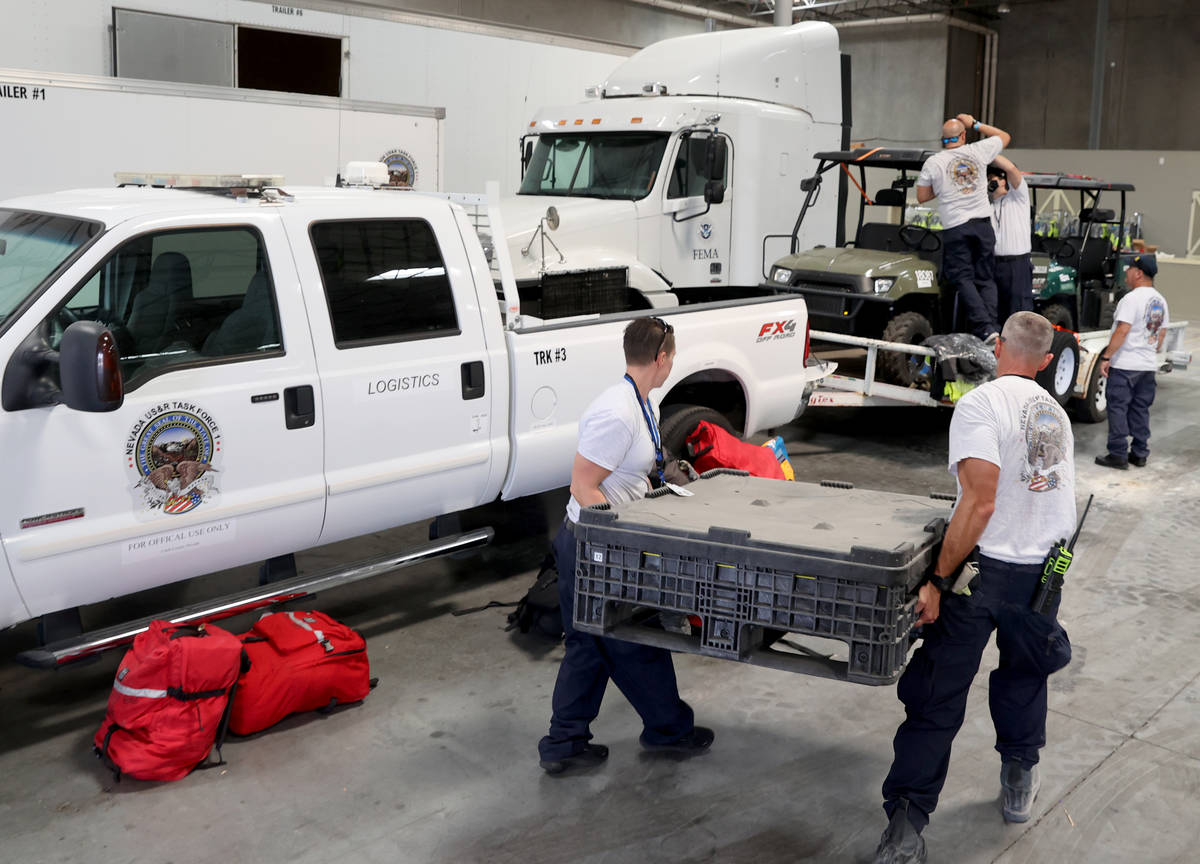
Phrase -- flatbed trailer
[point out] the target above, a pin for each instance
(850, 391)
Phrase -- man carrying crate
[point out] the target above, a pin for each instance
(1012, 450)
(619, 445)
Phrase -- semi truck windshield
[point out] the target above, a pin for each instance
(597, 165)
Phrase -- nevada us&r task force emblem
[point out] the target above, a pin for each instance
(173, 451)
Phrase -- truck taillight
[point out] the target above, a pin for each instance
(807, 337)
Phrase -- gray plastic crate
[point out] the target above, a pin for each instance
(754, 559)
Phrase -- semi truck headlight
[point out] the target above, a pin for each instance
(882, 286)
(781, 274)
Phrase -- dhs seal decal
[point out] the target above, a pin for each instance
(402, 168)
(173, 451)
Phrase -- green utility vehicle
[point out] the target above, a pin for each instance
(1078, 274)
(886, 283)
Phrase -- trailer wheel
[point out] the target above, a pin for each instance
(1059, 376)
(909, 328)
(679, 421)
(1093, 408)
(1059, 315)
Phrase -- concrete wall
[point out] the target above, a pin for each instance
(1164, 182)
(898, 92)
(1151, 75)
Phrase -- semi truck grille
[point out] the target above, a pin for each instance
(585, 292)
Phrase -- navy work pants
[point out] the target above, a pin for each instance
(1014, 286)
(643, 673)
(1129, 395)
(968, 263)
(934, 686)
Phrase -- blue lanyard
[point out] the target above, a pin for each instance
(651, 425)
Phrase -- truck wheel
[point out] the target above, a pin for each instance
(1093, 408)
(679, 421)
(909, 328)
(1059, 315)
(1059, 377)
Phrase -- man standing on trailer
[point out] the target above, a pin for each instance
(1013, 224)
(957, 177)
(1012, 450)
(1129, 361)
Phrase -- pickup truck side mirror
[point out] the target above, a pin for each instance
(89, 367)
(714, 192)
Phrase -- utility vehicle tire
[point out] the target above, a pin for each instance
(1059, 377)
(1059, 315)
(679, 421)
(1093, 408)
(909, 328)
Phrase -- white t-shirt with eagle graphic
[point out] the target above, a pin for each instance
(1014, 423)
(1145, 311)
(959, 180)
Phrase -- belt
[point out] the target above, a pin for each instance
(1012, 257)
(996, 562)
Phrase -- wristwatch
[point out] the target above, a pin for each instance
(942, 583)
(976, 126)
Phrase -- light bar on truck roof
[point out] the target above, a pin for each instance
(176, 180)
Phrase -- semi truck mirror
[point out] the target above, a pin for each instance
(526, 155)
(714, 192)
(90, 368)
(714, 158)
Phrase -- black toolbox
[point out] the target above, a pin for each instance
(755, 559)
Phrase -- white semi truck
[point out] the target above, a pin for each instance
(198, 379)
(681, 174)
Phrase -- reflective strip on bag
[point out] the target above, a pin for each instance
(317, 634)
(139, 692)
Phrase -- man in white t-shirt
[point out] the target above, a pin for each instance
(1012, 222)
(957, 177)
(1011, 450)
(1129, 361)
(619, 445)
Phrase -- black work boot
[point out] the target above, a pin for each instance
(1108, 460)
(1020, 786)
(901, 842)
(590, 756)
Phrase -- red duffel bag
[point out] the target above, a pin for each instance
(169, 699)
(710, 446)
(299, 661)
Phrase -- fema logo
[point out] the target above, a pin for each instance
(705, 231)
(172, 452)
(402, 168)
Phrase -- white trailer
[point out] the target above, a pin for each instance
(86, 128)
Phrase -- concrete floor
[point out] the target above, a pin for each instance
(439, 763)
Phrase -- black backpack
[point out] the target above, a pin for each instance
(538, 611)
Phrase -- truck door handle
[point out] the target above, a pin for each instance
(299, 407)
(472, 380)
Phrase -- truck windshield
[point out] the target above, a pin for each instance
(32, 247)
(609, 165)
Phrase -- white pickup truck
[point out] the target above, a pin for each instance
(274, 371)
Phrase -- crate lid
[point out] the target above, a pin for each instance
(867, 526)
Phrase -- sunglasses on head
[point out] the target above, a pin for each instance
(667, 330)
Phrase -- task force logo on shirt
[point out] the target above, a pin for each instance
(1155, 313)
(1045, 444)
(964, 175)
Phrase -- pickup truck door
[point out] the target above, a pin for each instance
(213, 460)
(405, 373)
(695, 236)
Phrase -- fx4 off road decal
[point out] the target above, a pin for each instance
(173, 452)
(773, 330)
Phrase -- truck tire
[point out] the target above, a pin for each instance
(679, 421)
(1059, 315)
(1059, 376)
(1093, 408)
(909, 328)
